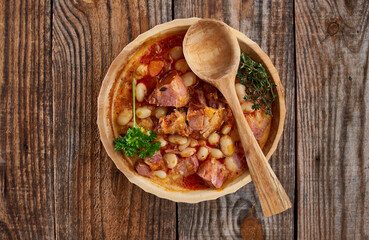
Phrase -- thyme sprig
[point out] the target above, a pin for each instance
(259, 88)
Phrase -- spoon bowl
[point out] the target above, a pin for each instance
(211, 44)
(213, 54)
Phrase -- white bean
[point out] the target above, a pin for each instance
(241, 91)
(177, 139)
(176, 52)
(184, 146)
(188, 152)
(160, 174)
(162, 141)
(146, 123)
(169, 150)
(194, 143)
(189, 78)
(160, 112)
(142, 70)
(231, 164)
(226, 129)
(143, 112)
(247, 107)
(214, 138)
(181, 65)
(227, 145)
(141, 91)
(124, 117)
(202, 142)
(216, 153)
(171, 159)
(203, 153)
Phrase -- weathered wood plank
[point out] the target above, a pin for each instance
(93, 199)
(332, 45)
(270, 24)
(26, 165)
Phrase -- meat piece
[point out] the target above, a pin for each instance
(213, 173)
(228, 116)
(205, 119)
(187, 166)
(198, 98)
(210, 92)
(240, 159)
(143, 169)
(213, 103)
(260, 124)
(195, 113)
(195, 117)
(202, 118)
(174, 123)
(156, 162)
(170, 91)
(214, 99)
(213, 119)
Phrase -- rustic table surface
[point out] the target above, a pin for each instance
(57, 182)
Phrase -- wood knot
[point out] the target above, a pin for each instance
(333, 28)
(251, 227)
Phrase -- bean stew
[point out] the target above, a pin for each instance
(199, 142)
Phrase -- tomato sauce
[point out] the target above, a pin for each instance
(194, 182)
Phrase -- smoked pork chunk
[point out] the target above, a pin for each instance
(155, 162)
(170, 92)
(213, 173)
(195, 117)
(143, 169)
(187, 166)
(206, 120)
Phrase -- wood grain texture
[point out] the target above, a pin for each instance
(270, 24)
(56, 181)
(26, 166)
(94, 199)
(332, 46)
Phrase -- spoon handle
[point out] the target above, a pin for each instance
(272, 196)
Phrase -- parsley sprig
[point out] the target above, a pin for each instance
(138, 140)
(259, 87)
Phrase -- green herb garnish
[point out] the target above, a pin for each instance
(138, 140)
(259, 88)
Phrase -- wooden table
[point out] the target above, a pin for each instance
(56, 181)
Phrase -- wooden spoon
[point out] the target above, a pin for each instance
(213, 54)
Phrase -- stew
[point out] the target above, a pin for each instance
(199, 143)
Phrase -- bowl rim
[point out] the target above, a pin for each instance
(106, 133)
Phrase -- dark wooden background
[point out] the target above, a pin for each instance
(56, 181)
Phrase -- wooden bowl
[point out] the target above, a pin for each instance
(110, 84)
